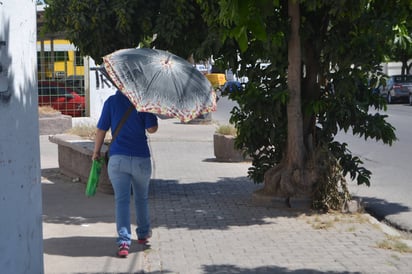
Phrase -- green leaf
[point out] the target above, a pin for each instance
(258, 29)
(241, 38)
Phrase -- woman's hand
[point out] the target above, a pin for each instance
(96, 155)
(152, 129)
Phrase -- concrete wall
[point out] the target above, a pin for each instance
(392, 68)
(100, 89)
(21, 240)
(74, 154)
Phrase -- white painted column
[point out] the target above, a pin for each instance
(100, 89)
(21, 239)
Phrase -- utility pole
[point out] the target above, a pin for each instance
(21, 239)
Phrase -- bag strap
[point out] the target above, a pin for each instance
(119, 126)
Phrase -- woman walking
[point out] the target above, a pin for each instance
(129, 165)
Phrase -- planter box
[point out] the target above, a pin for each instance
(54, 123)
(74, 157)
(224, 148)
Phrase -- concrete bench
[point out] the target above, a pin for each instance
(54, 123)
(74, 157)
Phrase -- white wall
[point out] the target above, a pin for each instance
(21, 240)
(392, 68)
(100, 89)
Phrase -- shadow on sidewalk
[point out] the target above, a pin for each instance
(65, 202)
(173, 204)
(86, 246)
(394, 214)
(381, 208)
(197, 205)
(78, 246)
(210, 205)
(270, 269)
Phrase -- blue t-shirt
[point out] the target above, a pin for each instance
(131, 139)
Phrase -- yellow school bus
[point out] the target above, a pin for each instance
(58, 59)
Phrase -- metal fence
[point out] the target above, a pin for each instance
(61, 77)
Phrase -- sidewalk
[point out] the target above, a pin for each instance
(204, 222)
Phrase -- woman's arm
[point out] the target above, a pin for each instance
(98, 143)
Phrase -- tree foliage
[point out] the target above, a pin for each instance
(343, 44)
(99, 27)
(401, 46)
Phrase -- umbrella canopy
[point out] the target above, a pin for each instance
(159, 82)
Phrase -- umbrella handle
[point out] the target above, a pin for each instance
(103, 71)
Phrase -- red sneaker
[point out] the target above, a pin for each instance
(144, 240)
(123, 250)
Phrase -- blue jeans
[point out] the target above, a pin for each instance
(126, 172)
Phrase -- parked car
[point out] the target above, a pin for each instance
(61, 98)
(397, 88)
(75, 82)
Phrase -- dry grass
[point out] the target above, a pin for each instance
(329, 220)
(318, 223)
(45, 110)
(226, 130)
(349, 223)
(394, 243)
(84, 131)
(87, 132)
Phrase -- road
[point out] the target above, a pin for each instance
(389, 196)
(222, 114)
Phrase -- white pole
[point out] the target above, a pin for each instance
(21, 241)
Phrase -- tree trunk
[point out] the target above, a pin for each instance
(295, 147)
(404, 70)
(290, 178)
